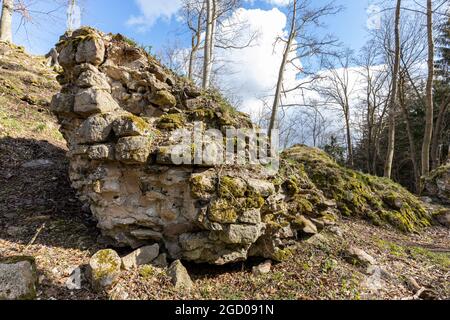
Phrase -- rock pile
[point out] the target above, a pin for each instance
(119, 110)
(437, 184)
(18, 278)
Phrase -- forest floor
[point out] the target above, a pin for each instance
(41, 216)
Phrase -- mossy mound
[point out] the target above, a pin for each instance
(377, 199)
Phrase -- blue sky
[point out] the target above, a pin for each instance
(112, 16)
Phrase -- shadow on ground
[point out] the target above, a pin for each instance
(37, 203)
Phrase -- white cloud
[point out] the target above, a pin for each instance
(151, 11)
(278, 2)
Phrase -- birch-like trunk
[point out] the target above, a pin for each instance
(409, 131)
(6, 21)
(393, 99)
(429, 94)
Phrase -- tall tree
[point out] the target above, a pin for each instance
(194, 13)
(393, 97)
(292, 35)
(429, 94)
(301, 42)
(6, 20)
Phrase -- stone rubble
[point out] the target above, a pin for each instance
(18, 278)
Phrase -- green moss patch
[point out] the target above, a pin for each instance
(377, 199)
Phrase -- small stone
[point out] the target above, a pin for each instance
(307, 226)
(140, 257)
(104, 269)
(74, 280)
(412, 284)
(262, 268)
(357, 256)
(18, 278)
(180, 276)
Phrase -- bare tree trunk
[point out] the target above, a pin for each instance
(195, 42)
(412, 146)
(429, 94)
(435, 159)
(207, 46)
(6, 21)
(212, 39)
(393, 100)
(349, 137)
(278, 91)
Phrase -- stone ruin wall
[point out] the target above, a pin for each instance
(117, 109)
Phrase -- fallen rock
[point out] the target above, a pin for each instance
(262, 268)
(141, 256)
(180, 276)
(104, 269)
(412, 284)
(18, 278)
(308, 226)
